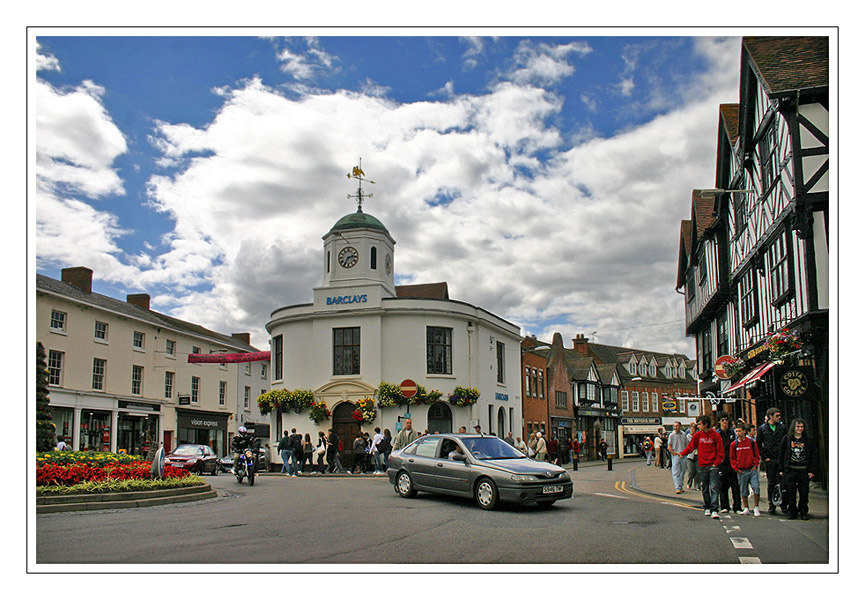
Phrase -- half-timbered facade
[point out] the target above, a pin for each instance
(754, 256)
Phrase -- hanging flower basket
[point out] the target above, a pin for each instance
(425, 397)
(365, 411)
(318, 412)
(734, 369)
(388, 395)
(782, 343)
(464, 396)
(299, 400)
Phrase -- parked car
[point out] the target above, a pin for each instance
(476, 466)
(227, 461)
(196, 458)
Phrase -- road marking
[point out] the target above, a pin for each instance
(610, 495)
(622, 487)
(729, 528)
(750, 560)
(741, 543)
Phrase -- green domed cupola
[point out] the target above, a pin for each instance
(358, 250)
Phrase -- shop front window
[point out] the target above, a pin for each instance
(62, 419)
(95, 433)
(136, 434)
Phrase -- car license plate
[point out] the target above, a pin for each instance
(553, 489)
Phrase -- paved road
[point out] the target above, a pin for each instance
(351, 520)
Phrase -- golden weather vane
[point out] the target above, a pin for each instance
(357, 173)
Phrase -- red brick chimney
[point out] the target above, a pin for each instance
(581, 345)
(139, 300)
(79, 277)
(243, 337)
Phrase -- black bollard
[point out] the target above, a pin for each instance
(576, 463)
(609, 463)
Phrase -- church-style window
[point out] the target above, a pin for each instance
(372, 257)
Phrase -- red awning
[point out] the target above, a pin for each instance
(752, 377)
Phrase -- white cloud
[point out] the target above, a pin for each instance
(586, 239)
(306, 63)
(544, 64)
(76, 143)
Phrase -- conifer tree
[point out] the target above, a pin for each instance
(44, 426)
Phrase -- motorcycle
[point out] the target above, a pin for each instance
(246, 467)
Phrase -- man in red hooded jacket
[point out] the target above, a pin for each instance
(710, 455)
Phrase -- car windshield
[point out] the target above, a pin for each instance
(491, 448)
(189, 450)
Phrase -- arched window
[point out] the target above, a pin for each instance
(373, 254)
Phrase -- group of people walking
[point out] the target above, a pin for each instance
(297, 451)
(726, 463)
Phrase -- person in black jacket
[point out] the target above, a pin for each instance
(241, 442)
(769, 436)
(284, 449)
(798, 466)
(295, 444)
(729, 480)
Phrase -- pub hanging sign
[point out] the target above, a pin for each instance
(795, 383)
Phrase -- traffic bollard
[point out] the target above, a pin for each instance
(609, 463)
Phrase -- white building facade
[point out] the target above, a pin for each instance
(119, 379)
(362, 330)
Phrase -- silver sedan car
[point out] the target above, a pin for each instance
(476, 466)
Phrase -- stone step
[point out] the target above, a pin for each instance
(81, 502)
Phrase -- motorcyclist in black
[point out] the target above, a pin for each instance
(244, 440)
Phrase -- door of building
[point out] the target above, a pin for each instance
(346, 429)
(440, 418)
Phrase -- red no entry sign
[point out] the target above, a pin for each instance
(408, 388)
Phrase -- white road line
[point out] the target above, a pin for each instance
(729, 528)
(610, 495)
(750, 560)
(741, 543)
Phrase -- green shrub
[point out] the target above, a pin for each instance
(114, 485)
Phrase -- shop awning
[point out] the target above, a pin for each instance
(752, 377)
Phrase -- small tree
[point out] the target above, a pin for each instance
(44, 426)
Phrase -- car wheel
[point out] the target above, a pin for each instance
(404, 486)
(547, 504)
(486, 494)
(215, 470)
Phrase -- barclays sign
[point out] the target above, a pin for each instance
(358, 298)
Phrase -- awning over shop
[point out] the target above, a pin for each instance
(752, 377)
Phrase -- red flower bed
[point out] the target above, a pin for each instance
(50, 474)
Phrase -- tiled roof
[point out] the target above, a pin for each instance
(434, 291)
(684, 250)
(131, 310)
(703, 209)
(730, 119)
(790, 63)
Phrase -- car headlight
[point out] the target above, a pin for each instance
(523, 478)
(565, 476)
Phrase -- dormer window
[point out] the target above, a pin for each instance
(642, 368)
(632, 368)
(653, 370)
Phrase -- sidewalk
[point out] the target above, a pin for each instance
(659, 482)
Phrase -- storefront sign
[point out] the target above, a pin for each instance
(137, 405)
(190, 420)
(795, 382)
(357, 298)
(640, 420)
(502, 397)
(756, 352)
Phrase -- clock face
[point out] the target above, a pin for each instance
(348, 257)
(388, 264)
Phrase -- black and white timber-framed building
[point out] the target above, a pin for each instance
(754, 255)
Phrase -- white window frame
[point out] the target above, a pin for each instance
(55, 367)
(644, 396)
(139, 380)
(169, 384)
(100, 371)
(135, 345)
(100, 334)
(626, 404)
(195, 389)
(171, 348)
(58, 321)
(247, 392)
(222, 387)
(655, 406)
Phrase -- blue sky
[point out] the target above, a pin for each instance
(544, 178)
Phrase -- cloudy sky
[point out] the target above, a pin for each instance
(544, 178)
